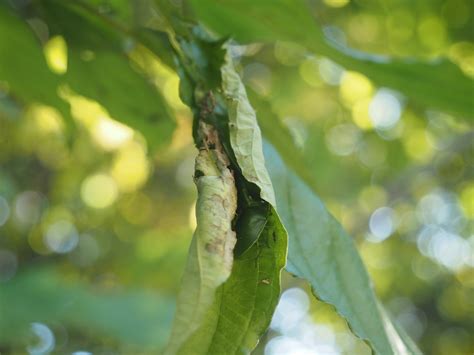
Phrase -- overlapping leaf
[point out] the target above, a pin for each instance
(105, 74)
(211, 253)
(244, 132)
(23, 66)
(321, 252)
(288, 20)
(243, 305)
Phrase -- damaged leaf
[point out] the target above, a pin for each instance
(210, 254)
(244, 304)
(244, 132)
(222, 311)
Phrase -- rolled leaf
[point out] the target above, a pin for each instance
(211, 252)
(228, 318)
(244, 132)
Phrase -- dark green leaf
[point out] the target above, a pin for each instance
(249, 227)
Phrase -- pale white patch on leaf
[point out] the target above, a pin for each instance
(245, 135)
(210, 256)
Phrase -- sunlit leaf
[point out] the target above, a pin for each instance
(250, 21)
(98, 68)
(23, 66)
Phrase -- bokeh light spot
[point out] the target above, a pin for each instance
(432, 32)
(292, 307)
(130, 168)
(336, 3)
(462, 53)
(372, 197)
(360, 114)
(299, 333)
(44, 340)
(385, 109)
(28, 205)
(467, 200)
(342, 139)
(61, 237)
(330, 72)
(289, 53)
(355, 87)
(110, 134)
(372, 152)
(417, 144)
(46, 119)
(309, 72)
(433, 208)
(99, 191)
(382, 224)
(364, 28)
(55, 51)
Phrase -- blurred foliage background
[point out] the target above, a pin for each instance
(95, 221)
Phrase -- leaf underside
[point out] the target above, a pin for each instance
(321, 252)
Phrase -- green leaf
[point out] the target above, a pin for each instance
(249, 227)
(243, 306)
(158, 43)
(418, 80)
(23, 66)
(321, 252)
(106, 74)
(213, 316)
(265, 20)
(135, 317)
(244, 132)
(211, 252)
(291, 20)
